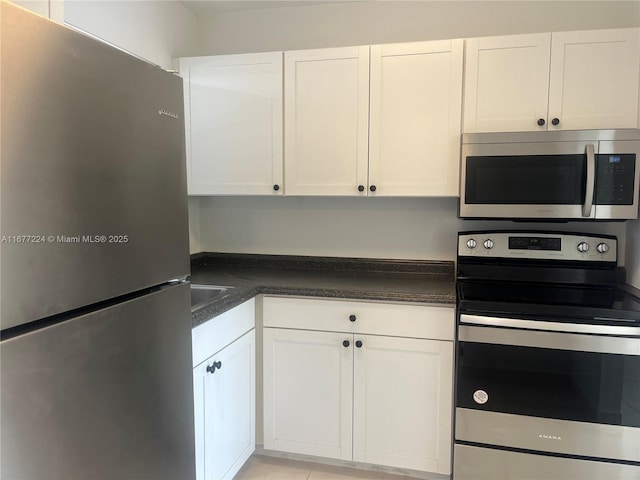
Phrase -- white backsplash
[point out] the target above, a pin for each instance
(414, 228)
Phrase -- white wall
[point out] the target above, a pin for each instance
(154, 30)
(633, 253)
(41, 7)
(369, 22)
(53, 9)
(194, 225)
(417, 228)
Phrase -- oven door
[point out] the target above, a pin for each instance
(564, 388)
(528, 180)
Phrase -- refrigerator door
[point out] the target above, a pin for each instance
(93, 175)
(107, 395)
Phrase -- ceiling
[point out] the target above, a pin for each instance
(210, 7)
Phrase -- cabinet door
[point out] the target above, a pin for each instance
(225, 410)
(594, 79)
(506, 83)
(326, 121)
(308, 381)
(403, 396)
(233, 112)
(416, 103)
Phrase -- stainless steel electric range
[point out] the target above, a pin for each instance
(548, 359)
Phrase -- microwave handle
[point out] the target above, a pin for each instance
(591, 180)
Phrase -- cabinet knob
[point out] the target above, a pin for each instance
(361, 188)
(216, 365)
(541, 121)
(345, 343)
(358, 344)
(555, 121)
(372, 188)
(352, 318)
(276, 187)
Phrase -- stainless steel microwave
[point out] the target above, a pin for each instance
(564, 175)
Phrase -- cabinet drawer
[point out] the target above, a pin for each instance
(215, 334)
(392, 319)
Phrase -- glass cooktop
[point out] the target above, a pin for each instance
(550, 301)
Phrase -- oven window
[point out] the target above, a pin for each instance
(560, 384)
(526, 180)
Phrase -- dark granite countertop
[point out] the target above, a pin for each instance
(419, 281)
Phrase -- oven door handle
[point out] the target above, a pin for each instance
(521, 324)
(591, 180)
(549, 340)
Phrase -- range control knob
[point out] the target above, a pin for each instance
(602, 247)
(471, 244)
(583, 247)
(488, 244)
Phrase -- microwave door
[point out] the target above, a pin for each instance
(553, 180)
(617, 180)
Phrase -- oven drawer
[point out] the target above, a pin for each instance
(549, 435)
(476, 463)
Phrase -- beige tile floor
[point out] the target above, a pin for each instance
(260, 467)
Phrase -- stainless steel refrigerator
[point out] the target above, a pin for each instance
(95, 350)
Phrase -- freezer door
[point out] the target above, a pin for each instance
(108, 395)
(93, 176)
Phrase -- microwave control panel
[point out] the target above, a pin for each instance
(615, 176)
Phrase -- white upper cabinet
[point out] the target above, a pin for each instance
(559, 81)
(594, 79)
(415, 117)
(385, 120)
(388, 128)
(506, 83)
(233, 112)
(326, 120)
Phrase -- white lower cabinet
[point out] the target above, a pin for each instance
(308, 378)
(224, 397)
(402, 402)
(366, 393)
